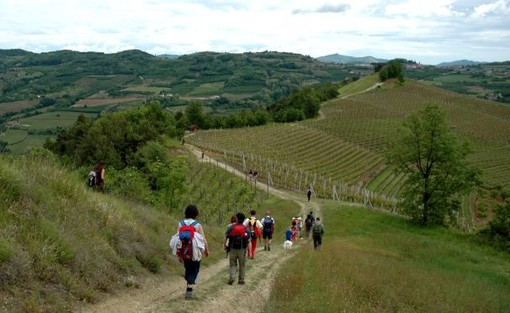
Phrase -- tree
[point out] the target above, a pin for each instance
(393, 69)
(434, 162)
(195, 113)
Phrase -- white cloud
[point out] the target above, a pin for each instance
(424, 31)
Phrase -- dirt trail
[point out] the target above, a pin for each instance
(212, 293)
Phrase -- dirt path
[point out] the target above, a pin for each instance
(212, 293)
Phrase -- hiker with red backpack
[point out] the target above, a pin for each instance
(189, 244)
(255, 228)
(238, 238)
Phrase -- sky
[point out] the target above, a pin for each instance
(426, 31)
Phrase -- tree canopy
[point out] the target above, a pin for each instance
(434, 162)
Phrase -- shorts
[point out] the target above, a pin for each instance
(267, 235)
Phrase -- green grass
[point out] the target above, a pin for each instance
(12, 136)
(30, 142)
(375, 262)
(207, 89)
(52, 119)
(359, 85)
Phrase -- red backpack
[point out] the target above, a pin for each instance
(238, 237)
(186, 234)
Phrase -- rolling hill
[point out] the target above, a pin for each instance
(344, 149)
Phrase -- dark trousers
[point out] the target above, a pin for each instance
(191, 269)
(317, 241)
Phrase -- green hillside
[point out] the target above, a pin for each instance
(344, 149)
(62, 244)
(71, 83)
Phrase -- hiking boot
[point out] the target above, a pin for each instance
(188, 295)
(268, 247)
(241, 282)
(265, 247)
(230, 281)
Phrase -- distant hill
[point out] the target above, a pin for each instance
(459, 63)
(345, 59)
(168, 56)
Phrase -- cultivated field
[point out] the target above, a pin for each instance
(17, 106)
(346, 146)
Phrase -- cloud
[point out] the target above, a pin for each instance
(325, 8)
(493, 8)
(423, 31)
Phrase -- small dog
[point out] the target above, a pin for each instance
(287, 245)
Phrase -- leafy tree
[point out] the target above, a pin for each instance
(434, 162)
(195, 113)
(392, 70)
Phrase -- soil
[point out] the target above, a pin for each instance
(211, 293)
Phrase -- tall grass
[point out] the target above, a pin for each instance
(61, 243)
(376, 262)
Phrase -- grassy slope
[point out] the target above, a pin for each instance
(375, 262)
(61, 243)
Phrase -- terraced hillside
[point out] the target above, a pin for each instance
(346, 145)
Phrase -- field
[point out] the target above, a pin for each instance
(17, 106)
(51, 120)
(343, 152)
(94, 102)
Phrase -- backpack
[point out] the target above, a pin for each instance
(238, 237)
(268, 224)
(252, 226)
(186, 234)
(91, 180)
(317, 230)
(309, 222)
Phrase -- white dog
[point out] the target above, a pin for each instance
(287, 245)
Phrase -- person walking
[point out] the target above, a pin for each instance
(309, 193)
(99, 170)
(317, 232)
(199, 247)
(255, 228)
(238, 237)
(267, 230)
(310, 219)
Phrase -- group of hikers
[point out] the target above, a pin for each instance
(240, 241)
(313, 228)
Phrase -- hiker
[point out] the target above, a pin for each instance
(294, 231)
(267, 230)
(238, 237)
(309, 193)
(255, 228)
(233, 221)
(310, 219)
(299, 225)
(199, 247)
(99, 171)
(288, 234)
(317, 232)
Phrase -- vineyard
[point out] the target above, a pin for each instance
(218, 193)
(342, 154)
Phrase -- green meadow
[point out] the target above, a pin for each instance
(377, 262)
